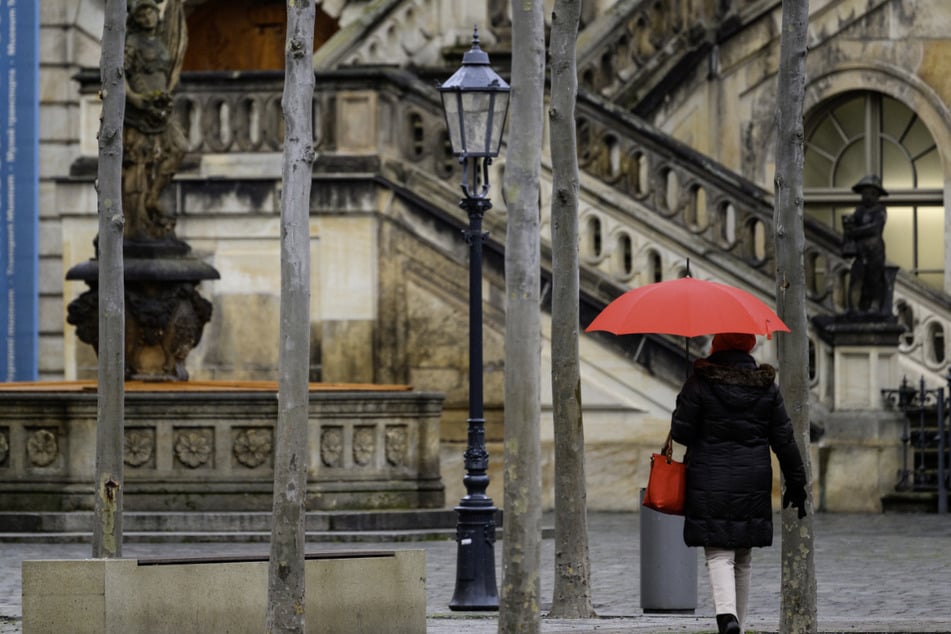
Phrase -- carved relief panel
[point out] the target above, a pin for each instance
(194, 447)
(43, 449)
(139, 452)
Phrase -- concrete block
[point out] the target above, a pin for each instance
(356, 592)
(64, 596)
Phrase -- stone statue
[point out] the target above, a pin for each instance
(868, 286)
(164, 314)
(153, 142)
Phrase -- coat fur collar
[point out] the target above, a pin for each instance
(761, 376)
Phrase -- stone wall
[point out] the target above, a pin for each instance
(189, 448)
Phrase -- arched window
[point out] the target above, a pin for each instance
(934, 349)
(863, 133)
(592, 237)
(654, 267)
(624, 255)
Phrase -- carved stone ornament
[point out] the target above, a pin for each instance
(331, 446)
(363, 445)
(42, 447)
(252, 447)
(154, 143)
(139, 447)
(164, 322)
(193, 447)
(396, 445)
(4, 446)
(165, 315)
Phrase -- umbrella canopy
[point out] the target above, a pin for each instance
(688, 307)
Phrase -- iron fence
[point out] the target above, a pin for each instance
(924, 437)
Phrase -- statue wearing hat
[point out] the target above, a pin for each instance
(863, 240)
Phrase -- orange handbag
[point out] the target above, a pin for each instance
(667, 483)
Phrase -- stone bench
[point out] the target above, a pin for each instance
(346, 592)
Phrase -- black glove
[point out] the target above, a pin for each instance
(795, 495)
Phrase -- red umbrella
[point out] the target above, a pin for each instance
(688, 307)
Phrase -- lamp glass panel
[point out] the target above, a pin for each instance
(500, 110)
(451, 106)
(476, 108)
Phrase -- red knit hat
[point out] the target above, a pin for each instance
(733, 341)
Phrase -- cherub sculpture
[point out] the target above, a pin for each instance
(153, 142)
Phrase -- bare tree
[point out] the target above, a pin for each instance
(521, 586)
(798, 612)
(572, 592)
(107, 530)
(285, 610)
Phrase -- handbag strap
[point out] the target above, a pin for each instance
(668, 449)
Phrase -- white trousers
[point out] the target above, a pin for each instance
(729, 570)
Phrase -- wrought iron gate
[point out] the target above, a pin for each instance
(925, 439)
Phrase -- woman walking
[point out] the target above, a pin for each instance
(729, 415)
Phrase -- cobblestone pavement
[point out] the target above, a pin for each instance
(875, 573)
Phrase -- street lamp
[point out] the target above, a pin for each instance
(475, 101)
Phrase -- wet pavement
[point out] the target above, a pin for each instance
(875, 573)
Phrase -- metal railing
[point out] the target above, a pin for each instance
(925, 436)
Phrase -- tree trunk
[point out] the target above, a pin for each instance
(521, 586)
(285, 610)
(572, 593)
(107, 530)
(798, 611)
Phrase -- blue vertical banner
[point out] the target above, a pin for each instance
(19, 186)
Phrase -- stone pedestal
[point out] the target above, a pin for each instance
(860, 449)
(164, 313)
(860, 358)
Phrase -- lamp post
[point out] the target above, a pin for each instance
(475, 101)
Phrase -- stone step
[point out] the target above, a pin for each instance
(912, 502)
(177, 537)
(188, 526)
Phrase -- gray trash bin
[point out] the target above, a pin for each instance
(668, 566)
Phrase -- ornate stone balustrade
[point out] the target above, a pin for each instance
(719, 216)
(210, 447)
(637, 41)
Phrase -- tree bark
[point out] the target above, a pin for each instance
(107, 530)
(572, 592)
(798, 610)
(285, 610)
(521, 586)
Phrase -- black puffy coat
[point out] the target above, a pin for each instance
(729, 414)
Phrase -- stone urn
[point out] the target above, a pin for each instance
(164, 313)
